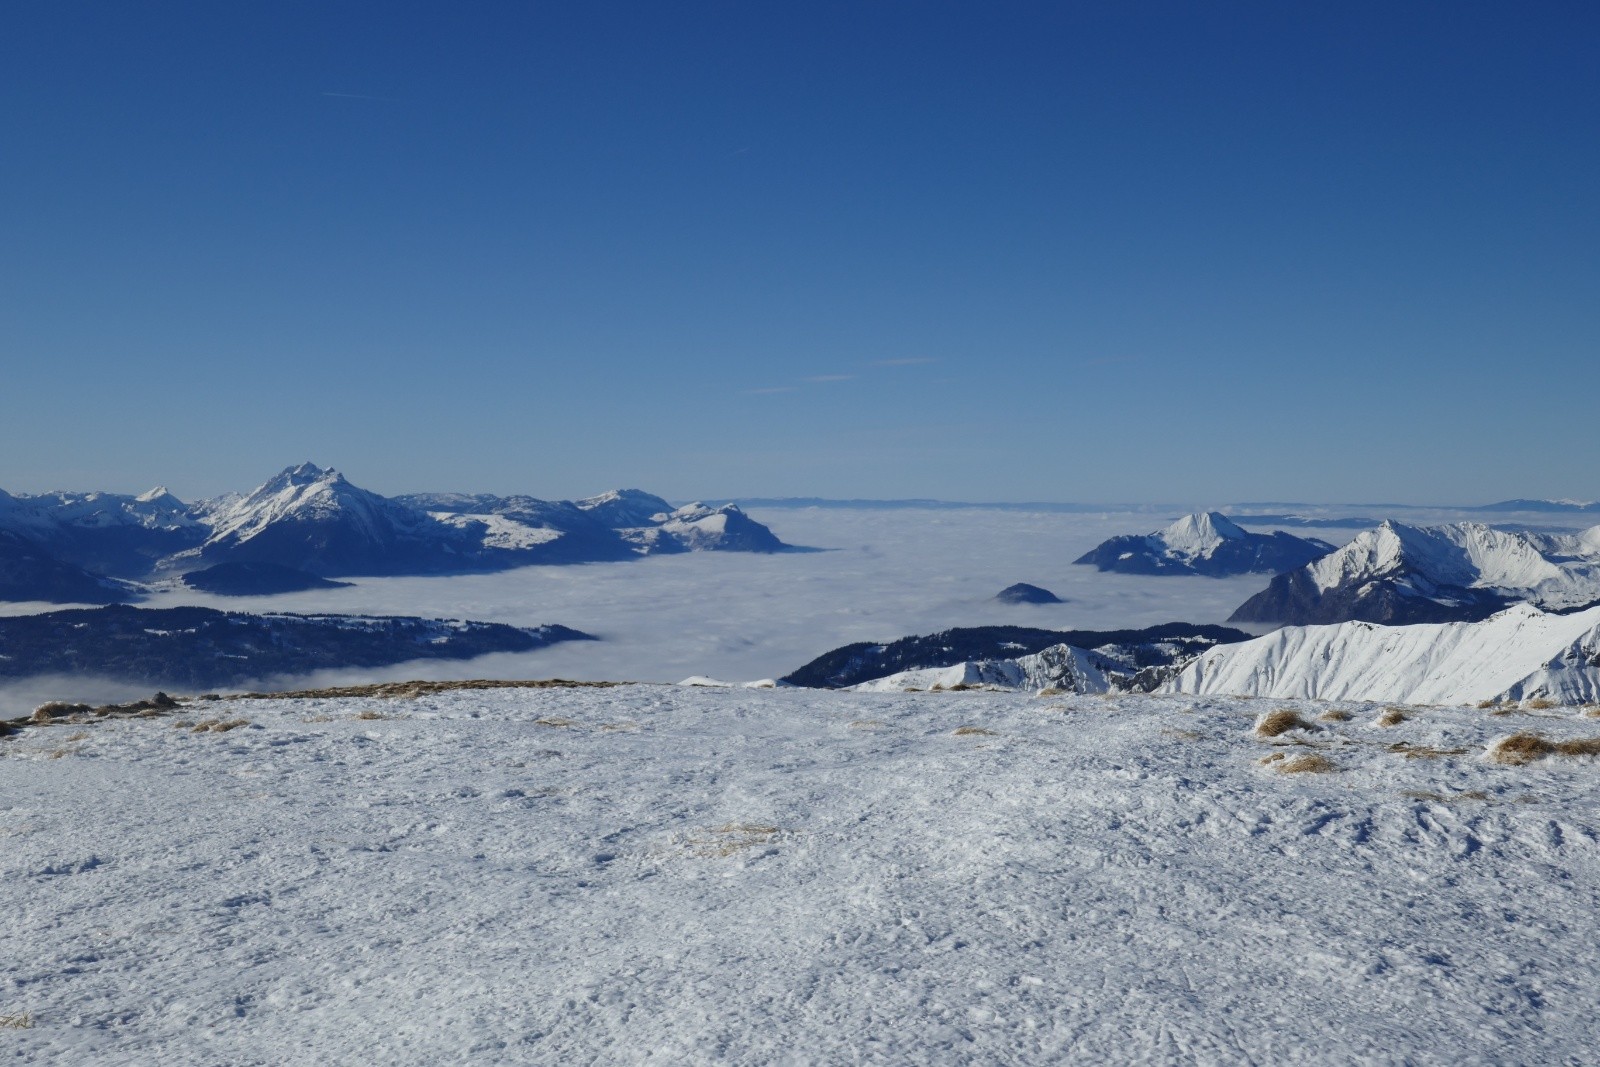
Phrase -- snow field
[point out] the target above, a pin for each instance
(655, 874)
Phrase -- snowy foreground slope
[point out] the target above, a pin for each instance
(652, 874)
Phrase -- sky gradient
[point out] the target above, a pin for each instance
(1116, 252)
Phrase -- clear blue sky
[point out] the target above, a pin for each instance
(1106, 252)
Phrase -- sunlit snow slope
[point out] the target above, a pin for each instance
(1521, 652)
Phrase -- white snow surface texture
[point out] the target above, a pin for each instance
(1519, 653)
(656, 874)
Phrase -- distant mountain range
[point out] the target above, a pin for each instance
(1207, 543)
(967, 654)
(308, 523)
(202, 647)
(1400, 574)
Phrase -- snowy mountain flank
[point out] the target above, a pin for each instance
(647, 874)
(1413, 574)
(1520, 653)
(309, 522)
(1207, 543)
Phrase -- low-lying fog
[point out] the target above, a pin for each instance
(736, 616)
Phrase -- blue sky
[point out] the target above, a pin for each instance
(1103, 252)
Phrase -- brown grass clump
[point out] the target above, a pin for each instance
(1539, 704)
(1391, 717)
(231, 724)
(205, 724)
(1485, 705)
(1410, 751)
(865, 724)
(1182, 735)
(1518, 749)
(1335, 715)
(1503, 710)
(369, 715)
(554, 721)
(732, 838)
(1275, 723)
(18, 1021)
(79, 736)
(1051, 691)
(1309, 763)
(973, 731)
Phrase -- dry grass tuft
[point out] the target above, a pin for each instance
(1485, 705)
(1182, 735)
(1276, 723)
(1410, 751)
(1051, 691)
(46, 712)
(973, 731)
(369, 715)
(731, 838)
(865, 724)
(1539, 704)
(205, 724)
(79, 736)
(58, 753)
(1518, 749)
(1335, 715)
(18, 1021)
(1442, 798)
(231, 724)
(555, 722)
(1503, 710)
(1592, 711)
(1309, 763)
(1392, 717)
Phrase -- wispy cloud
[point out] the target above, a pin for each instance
(828, 378)
(911, 361)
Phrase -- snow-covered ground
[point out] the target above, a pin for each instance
(656, 874)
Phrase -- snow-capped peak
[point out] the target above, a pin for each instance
(160, 494)
(1459, 554)
(306, 492)
(1198, 536)
(620, 508)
